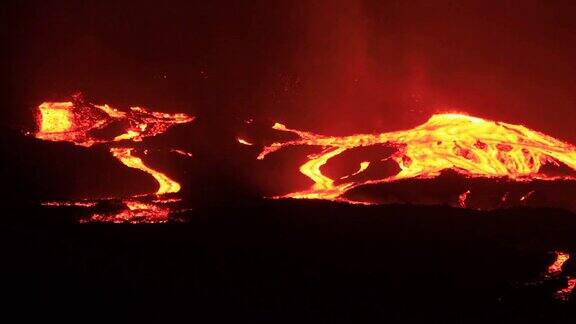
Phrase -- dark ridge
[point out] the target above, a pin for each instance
(292, 261)
(485, 193)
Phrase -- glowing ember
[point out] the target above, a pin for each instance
(556, 267)
(526, 196)
(243, 141)
(75, 121)
(462, 198)
(181, 152)
(564, 293)
(166, 200)
(69, 203)
(471, 146)
(136, 212)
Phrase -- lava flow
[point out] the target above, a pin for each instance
(555, 269)
(77, 121)
(471, 146)
(166, 185)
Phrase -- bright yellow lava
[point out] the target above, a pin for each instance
(472, 146)
(55, 117)
(166, 185)
(75, 121)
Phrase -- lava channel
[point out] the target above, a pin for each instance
(471, 146)
(76, 121)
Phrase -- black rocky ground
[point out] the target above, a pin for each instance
(291, 261)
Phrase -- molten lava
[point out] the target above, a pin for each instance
(555, 269)
(76, 121)
(471, 146)
(166, 185)
(55, 117)
(136, 212)
(566, 292)
(243, 141)
(463, 198)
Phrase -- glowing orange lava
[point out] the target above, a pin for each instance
(471, 146)
(526, 196)
(566, 292)
(243, 141)
(69, 203)
(462, 198)
(55, 117)
(556, 267)
(136, 212)
(181, 152)
(76, 121)
(166, 185)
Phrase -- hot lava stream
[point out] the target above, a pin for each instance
(76, 121)
(555, 270)
(471, 146)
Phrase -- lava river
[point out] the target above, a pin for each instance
(76, 121)
(471, 146)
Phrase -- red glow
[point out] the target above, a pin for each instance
(462, 198)
(181, 152)
(136, 212)
(69, 203)
(564, 293)
(555, 269)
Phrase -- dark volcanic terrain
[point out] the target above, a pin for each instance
(292, 261)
